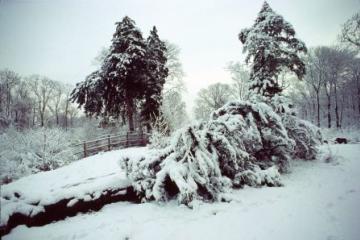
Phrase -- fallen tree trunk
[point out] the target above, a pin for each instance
(68, 207)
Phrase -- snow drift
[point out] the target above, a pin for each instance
(243, 143)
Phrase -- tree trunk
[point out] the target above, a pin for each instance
(328, 95)
(336, 107)
(318, 108)
(329, 114)
(42, 119)
(33, 117)
(358, 91)
(342, 110)
(57, 117)
(8, 100)
(130, 114)
(66, 114)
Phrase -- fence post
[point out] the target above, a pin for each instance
(85, 155)
(109, 144)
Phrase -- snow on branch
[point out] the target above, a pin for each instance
(244, 143)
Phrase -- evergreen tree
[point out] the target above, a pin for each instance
(156, 74)
(272, 47)
(89, 94)
(120, 83)
(124, 70)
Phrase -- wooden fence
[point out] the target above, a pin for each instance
(109, 142)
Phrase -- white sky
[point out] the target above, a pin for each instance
(60, 38)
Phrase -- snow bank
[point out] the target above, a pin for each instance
(84, 180)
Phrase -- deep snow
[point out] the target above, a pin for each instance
(77, 181)
(319, 201)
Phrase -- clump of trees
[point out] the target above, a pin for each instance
(130, 80)
(243, 142)
(34, 101)
(350, 33)
(211, 98)
(216, 95)
(330, 94)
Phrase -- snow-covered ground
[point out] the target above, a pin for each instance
(85, 180)
(319, 201)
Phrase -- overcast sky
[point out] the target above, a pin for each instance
(60, 38)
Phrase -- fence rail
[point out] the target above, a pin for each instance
(109, 142)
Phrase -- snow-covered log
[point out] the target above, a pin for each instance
(35, 214)
(204, 160)
(81, 186)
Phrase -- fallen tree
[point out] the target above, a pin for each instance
(82, 186)
(65, 208)
(243, 143)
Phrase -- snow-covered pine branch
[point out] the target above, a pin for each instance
(234, 148)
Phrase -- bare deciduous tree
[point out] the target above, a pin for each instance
(241, 77)
(43, 89)
(8, 80)
(212, 98)
(174, 80)
(56, 99)
(350, 33)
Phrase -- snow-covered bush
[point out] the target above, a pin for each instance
(159, 137)
(306, 136)
(31, 151)
(242, 143)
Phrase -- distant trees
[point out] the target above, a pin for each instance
(216, 95)
(43, 89)
(33, 101)
(241, 80)
(173, 108)
(315, 76)
(130, 79)
(350, 33)
(211, 98)
(333, 79)
(8, 81)
(271, 46)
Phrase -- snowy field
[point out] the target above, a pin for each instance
(319, 201)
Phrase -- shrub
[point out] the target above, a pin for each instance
(31, 151)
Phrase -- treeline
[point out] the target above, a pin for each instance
(34, 101)
(330, 95)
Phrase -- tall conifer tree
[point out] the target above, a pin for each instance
(121, 81)
(156, 75)
(271, 47)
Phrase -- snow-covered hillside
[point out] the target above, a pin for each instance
(319, 201)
